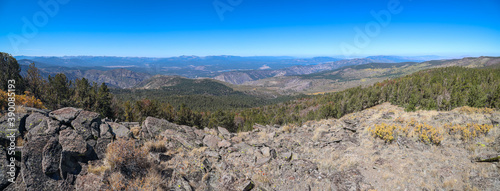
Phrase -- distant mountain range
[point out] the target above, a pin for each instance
(187, 66)
(360, 74)
(280, 75)
(240, 77)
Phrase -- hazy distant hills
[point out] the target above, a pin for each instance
(248, 74)
(187, 66)
(119, 78)
(240, 77)
(127, 72)
(361, 74)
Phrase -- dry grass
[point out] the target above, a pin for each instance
(197, 151)
(318, 132)
(125, 154)
(19, 141)
(136, 131)
(471, 110)
(261, 179)
(151, 182)
(328, 161)
(205, 177)
(117, 181)
(98, 170)
(289, 128)
(20, 109)
(262, 136)
(156, 146)
(129, 166)
(469, 131)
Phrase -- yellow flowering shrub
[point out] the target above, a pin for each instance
(428, 133)
(388, 132)
(470, 110)
(469, 131)
(27, 100)
(423, 132)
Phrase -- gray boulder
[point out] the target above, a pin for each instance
(4, 168)
(119, 130)
(65, 115)
(18, 127)
(31, 168)
(72, 142)
(211, 141)
(51, 156)
(38, 124)
(151, 127)
(87, 124)
(224, 132)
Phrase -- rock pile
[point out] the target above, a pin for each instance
(342, 154)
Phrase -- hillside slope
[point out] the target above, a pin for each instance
(362, 74)
(381, 148)
(118, 78)
(197, 94)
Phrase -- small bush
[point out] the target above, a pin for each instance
(428, 133)
(151, 182)
(470, 110)
(26, 100)
(136, 131)
(98, 170)
(469, 131)
(156, 146)
(125, 156)
(289, 128)
(425, 133)
(388, 132)
(117, 181)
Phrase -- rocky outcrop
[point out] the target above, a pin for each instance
(65, 115)
(64, 150)
(56, 148)
(152, 127)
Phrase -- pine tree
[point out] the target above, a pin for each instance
(128, 111)
(34, 82)
(10, 70)
(103, 101)
(59, 93)
(83, 92)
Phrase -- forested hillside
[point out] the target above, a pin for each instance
(205, 103)
(438, 89)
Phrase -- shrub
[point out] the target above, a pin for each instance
(428, 133)
(125, 156)
(470, 110)
(156, 146)
(136, 131)
(26, 100)
(386, 132)
(289, 128)
(117, 181)
(425, 133)
(469, 131)
(98, 170)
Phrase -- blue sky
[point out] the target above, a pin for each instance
(167, 28)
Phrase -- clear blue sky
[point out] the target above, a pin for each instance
(166, 28)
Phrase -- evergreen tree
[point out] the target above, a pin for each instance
(10, 70)
(35, 83)
(83, 94)
(103, 101)
(59, 93)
